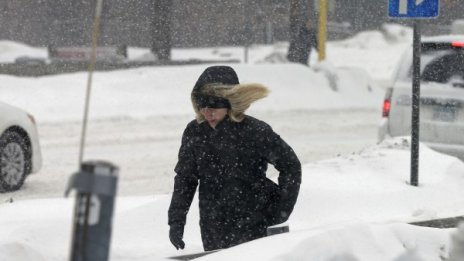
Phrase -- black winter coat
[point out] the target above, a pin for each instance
(236, 200)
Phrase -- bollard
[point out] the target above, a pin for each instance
(95, 186)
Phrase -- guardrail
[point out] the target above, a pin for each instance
(58, 67)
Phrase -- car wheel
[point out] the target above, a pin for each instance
(14, 161)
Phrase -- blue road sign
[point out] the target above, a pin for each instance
(413, 8)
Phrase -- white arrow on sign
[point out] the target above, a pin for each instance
(404, 6)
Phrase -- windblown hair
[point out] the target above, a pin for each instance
(240, 97)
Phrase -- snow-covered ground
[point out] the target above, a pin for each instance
(355, 198)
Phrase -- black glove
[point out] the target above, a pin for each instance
(276, 216)
(276, 212)
(176, 232)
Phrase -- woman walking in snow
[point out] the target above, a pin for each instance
(226, 153)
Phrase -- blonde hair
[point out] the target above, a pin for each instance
(240, 97)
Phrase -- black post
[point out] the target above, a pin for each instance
(95, 184)
(415, 119)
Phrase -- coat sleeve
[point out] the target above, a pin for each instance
(278, 153)
(185, 182)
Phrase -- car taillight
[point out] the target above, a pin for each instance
(458, 44)
(387, 103)
(386, 107)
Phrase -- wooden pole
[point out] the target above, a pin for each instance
(93, 58)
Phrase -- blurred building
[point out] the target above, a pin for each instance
(193, 22)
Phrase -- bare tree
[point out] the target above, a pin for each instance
(303, 28)
(161, 28)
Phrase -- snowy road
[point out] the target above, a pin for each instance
(153, 144)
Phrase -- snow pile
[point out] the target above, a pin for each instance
(390, 34)
(350, 208)
(397, 34)
(377, 52)
(377, 179)
(345, 242)
(149, 91)
(10, 50)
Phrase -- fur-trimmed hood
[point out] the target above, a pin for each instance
(239, 96)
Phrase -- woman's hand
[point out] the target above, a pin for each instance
(176, 233)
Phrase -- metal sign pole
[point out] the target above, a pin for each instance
(415, 118)
(415, 9)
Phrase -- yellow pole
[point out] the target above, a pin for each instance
(322, 30)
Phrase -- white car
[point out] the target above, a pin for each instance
(441, 92)
(20, 152)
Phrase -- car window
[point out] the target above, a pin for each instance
(442, 66)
